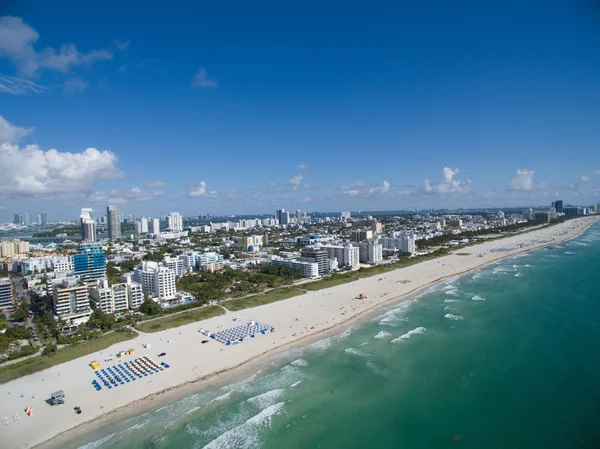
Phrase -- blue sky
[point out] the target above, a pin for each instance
(248, 107)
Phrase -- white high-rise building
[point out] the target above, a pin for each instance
(102, 296)
(345, 254)
(155, 226)
(175, 222)
(88, 225)
(156, 280)
(144, 221)
(371, 252)
(175, 264)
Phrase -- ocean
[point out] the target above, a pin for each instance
(504, 357)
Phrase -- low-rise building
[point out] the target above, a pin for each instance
(309, 270)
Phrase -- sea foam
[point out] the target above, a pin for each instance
(478, 298)
(451, 316)
(418, 330)
(382, 334)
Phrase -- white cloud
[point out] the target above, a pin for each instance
(16, 43)
(200, 190)
(303, 167)
(31, 171)
(19, 86)
(272, 184)
(10, 133)
(449, 185)
(68, 56)
(359, 189)
(74, 85)
(597, 172)
(201, 80)
(295, 182)
(156, 184)
(585, 178)
(523, 180)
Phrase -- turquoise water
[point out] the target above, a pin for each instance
(506, 357)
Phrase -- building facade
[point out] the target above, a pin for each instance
(6, 295)
(113, 217)
(371, 252)
(88, 225)
(309, 270)
(346, 255)
(69, 300)
(318, 256)
(90, 262)
(175, 222)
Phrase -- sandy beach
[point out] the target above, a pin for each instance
(295, 320)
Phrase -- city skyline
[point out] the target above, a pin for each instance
(414, 111)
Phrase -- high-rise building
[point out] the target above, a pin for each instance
(155, 226)
(360, 235)
(144, 222)
(114, 222)
(316, 255)
(44, 218)
(88, 225)
(156, 280)
(18, 220)
(175, 222)
(69, 300)
(9, 248)
(282, 216)
(558, 205)
(345, 254)
(131, 218)
(6, 295)
(38, 219)
(377, 227)
(27, 219)
(371, 252)
(90, 262)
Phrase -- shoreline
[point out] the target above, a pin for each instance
(246, 362)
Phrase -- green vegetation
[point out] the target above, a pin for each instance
(69, 230)
(21, 312)
(180, 319)
(462, 254)
(263, 298)
(149, 307)
(206, 286)
(53, 356)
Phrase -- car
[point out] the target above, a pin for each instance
(204, 341)
(162, 354)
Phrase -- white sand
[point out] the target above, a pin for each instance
(294, 319)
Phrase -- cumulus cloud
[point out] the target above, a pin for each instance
(296, 182)
(303, 167)
(201, 80)
(585, 178)
(523, 180)
(30, 171)
(156, 184)
(200, 190)
(17, 41)
(10, 133)
(449, 185)
(18, 86)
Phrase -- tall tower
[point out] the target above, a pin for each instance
(44, 218)
(114, 222)
(88, 225)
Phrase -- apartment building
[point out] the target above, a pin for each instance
(69, 299)
(6, 295)
(309, 270)
(370, 252)
(346, 255)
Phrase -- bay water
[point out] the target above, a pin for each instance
(504, 357)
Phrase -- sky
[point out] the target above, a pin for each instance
(247, 107)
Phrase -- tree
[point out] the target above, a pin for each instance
(22, 311)
(50, 349)
(149, 307)
(18, 333)
(100, 319)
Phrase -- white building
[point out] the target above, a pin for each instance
(405, 243)
(155, 226)
(102, 296)
(175, 264)
(156, 280)
(69, 299)
(88, 225)
(175, 222)
(309, 269)
(144, 222)
(371, 252)
(345, 254)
